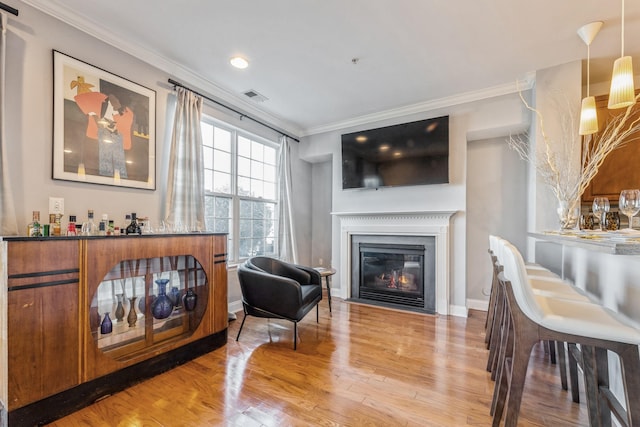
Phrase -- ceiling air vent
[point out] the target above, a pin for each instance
(255, 96)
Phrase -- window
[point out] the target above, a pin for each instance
(240, 189)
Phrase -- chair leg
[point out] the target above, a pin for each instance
(501, 386)
(520, 362)
(241, 325)
(631, 371)
(295, 335)
(318, 313)
(574, 359)
(594, 375)
(552, 351)
(562, 363)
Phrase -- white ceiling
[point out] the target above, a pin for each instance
(300, 51)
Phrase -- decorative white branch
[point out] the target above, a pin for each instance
(554, 165)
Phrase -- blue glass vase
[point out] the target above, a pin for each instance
(175, 296)
(162, 306)
(106, 326)
(189, 300)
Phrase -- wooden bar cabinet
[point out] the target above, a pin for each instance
(84, 319)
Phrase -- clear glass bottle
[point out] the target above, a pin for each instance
(71, 228)
(134, 227)
(56, 225)
(34, 229)
(89, 228)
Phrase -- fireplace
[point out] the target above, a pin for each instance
(394, 271)
(429, 224)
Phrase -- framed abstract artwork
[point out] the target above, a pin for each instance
(103, 126)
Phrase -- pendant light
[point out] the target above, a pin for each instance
(588, 114)
(622, 93)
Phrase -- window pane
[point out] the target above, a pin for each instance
(269, 173)
(222, 139)
(207, 152)
(270, 211)
(244, 186)
(244, 166)
(207, 134)
(269, 191)
(244, 146)
(221, 226)
(221, 182)
(222, 161)
(245, 248)
(257, 188)
(245, 228)
(269, 155)
(257, 150)
(258, 229)
(222, 207)
(245, 209)
(257, 170)
(208, 180)
(258, 210)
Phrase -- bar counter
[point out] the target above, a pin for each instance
(604, 264)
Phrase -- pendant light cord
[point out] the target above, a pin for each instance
(622, 32)
(588, 67)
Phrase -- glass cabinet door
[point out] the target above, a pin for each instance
(143, 302)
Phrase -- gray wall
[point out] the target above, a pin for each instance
(321, 214)
(496, 204)
(29, 90)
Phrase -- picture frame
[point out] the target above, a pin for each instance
(103, 126)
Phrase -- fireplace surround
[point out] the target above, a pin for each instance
(424, 223)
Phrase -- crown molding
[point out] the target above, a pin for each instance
(175, 70)
(523, 84)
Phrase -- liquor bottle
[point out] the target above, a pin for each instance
(102, 225)
(134, 227)
(89, 228)
(71, 228)
(127, 221)
(56, 225)
(111, 228)
(34, 229)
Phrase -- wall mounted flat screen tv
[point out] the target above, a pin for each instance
(415, 153)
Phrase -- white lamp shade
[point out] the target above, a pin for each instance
(622, 93)
(588, 116)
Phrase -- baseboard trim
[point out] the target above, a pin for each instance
(458, 310)
(478, 304)
(235, 306)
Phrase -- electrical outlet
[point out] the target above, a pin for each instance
(56, 205)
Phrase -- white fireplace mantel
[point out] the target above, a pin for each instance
(415, 223)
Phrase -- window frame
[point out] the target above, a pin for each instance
(234, 233)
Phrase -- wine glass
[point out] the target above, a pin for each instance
(600, 208)
(629, 203)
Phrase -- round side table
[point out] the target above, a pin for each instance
(327, 273)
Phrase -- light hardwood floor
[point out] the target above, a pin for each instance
(365, 366)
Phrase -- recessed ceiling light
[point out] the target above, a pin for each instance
(361, 138)
(239, 62)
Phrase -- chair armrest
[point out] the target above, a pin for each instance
(316, 279)
(275, 294)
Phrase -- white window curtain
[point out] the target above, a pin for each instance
(286, 228)
(185, 191)
(8, 223)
